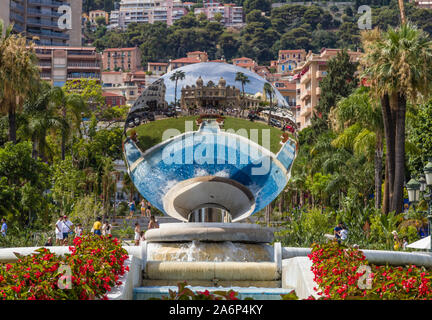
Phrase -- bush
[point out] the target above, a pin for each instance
(95, 263)
(338, 272)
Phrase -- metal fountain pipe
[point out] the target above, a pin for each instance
(379, 257)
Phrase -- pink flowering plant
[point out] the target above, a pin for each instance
(341, 273)
(95, 265)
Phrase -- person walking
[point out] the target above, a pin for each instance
(148, 210)
(153, 224)
(137, 234)
(67, 229)
(59, 231)
(97, 227)
(397, 242)
(143, 207)
(106, 229)
(3, 227)
(131, 208)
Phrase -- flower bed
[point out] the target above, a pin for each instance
(89, 272)
(341, 273)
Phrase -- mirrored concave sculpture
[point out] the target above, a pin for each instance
(207, 175)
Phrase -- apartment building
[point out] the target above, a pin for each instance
(94, 14)
(130, 85)
(122, 59)
(288, 60)
(59, 64)
(157, 68)
(43, 22)
(147, 11)
(232, 15)
(308, 77)
(245, 62)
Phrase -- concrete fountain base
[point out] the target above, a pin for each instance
(216, 232)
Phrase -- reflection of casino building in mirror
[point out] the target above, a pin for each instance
(209, 172)
(214, 95)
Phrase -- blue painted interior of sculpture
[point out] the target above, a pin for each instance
(209, 152)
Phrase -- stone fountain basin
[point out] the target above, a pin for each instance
(210, 231)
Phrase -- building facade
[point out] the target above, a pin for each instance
(126, 84)
(59, 64)
(232, 15)
(94, 14)
(157, 68)
(44, 21)
(308, 77)
(122, 59)
(288, 60)
(147, 11)
(114, 99)
(245, 62)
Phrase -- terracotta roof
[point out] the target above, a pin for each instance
(295, 50)
(197, 52)
(242, 58)
(111, 72)
(186, 60)
(158, 63)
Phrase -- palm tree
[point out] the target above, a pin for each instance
(41, 118)
(363, 126)
(398, 64)
(178, 75)
(68, 103)
(19, 75)
(269, 91)
(243, 79)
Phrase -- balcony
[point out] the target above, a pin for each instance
(38, 13)
(46, 2)
(45, 65)
(16, 7)
(305, 78)
(74, 65)
(306, 110)
(42, 23)
(305, 94)
(320, 74)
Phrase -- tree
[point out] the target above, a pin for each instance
(358, 114)
(399, 65)
(41, 119)
(19, 75)
(243, 79)
(70, 104)
(176, 76)
(269, 91)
